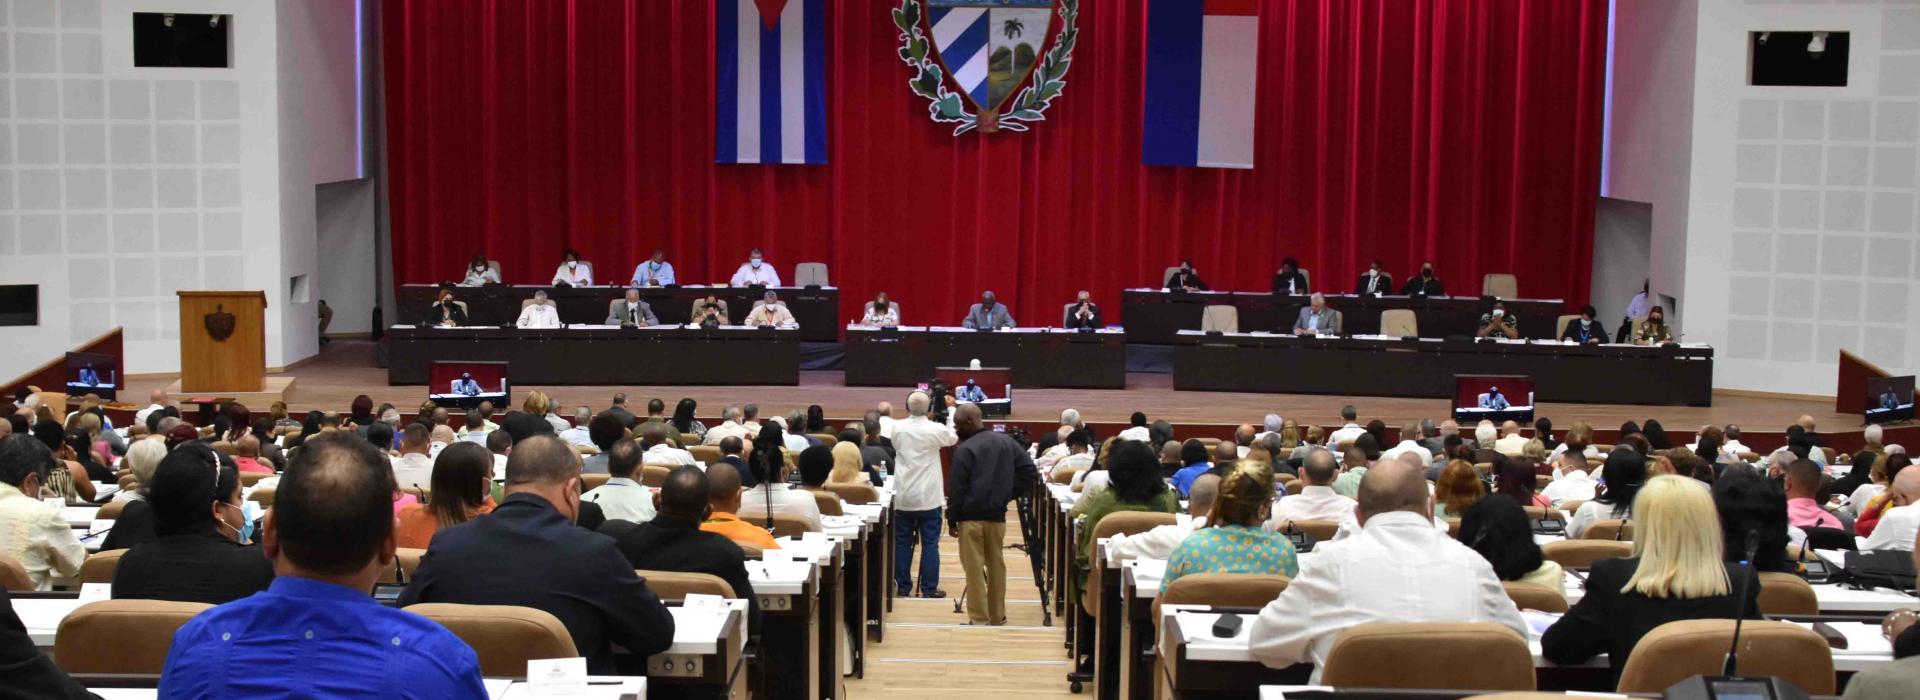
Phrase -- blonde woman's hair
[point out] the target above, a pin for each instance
(537, 403)
(1289, 437)
(847, 467)
(1676, 536)
(1245, 493)
(1535, 449)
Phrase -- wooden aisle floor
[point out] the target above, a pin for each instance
(931, 652)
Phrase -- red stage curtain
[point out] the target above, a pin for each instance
(1462, 131)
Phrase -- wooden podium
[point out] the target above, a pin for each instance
(223, 348)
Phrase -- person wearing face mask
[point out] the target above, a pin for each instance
(1654, 330)
(1585, 330)
(205, 552)
(445, 311)
(480, 273)
(1289, 280)
(579, 577)
(1375, 282)
(38, 535)
(881, 312)
(1425, 284)
(539, 314)
(755, 272)
(1185, 279)
(989, 313)
(1084, 313)
(572, 272)
(655, 272)
(1497, 323)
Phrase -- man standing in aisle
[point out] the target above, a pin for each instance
(989, 469)
(755, 272)
(918, 496)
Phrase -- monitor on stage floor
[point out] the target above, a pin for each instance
(91, 373)
(989, 387)
(1889, 399)
(1478, 397)
(466, 384)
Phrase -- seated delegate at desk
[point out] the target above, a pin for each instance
(1185, 279)
(1084, 314)
(755, 272)
(1585, 330)
(710, 306)
(1289, 280)
(1654, 330)
(631, 312)
(540, 314)
(572, 272)
(1316, 318)
(446, 312)
(1424, 285)
(989, 314)
(881, 313)
(771, 313)
(1374, 282)
(1497, 323)
(970, 393)
(480, 273)
(655, 272)
(1493, 400)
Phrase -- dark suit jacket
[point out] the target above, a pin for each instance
(1073, 320)
(1299, 283)
(133, 527)
(525, 553)
(625, 416)
(1186, 280)
(1418, 286)
(1382, 285)
(1610, 621)
(1575, 333)
(746, 475)
(200, 567)
(29, 673)
(432, 317)
(670, 543)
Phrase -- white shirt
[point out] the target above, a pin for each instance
(577, 435)
(1512, 445)
(786, 501)
(881, 317)
(1312, 503)
(726, 430)
(1092, 482)
(748, 276)
(1157, 543)
(1136, 433)
(559, 424)
(411, 471)
(37, 536)
(1733, 448)
(580, 275)
(1347, 433)
(499, 467)
(1408, 447)
(667, 455)
(1575, 485)
(1083, 460)
(140, 416)
(539, 316)
(485, 275)
(623, 499)
(1896, 529)
(886, 426)
(644, 275)
(1592, 512)
(1397, 569)
(1591, 452)
(917, 482)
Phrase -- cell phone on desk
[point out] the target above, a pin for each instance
(1227, 626)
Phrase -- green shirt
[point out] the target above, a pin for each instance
(672, 434)
(1099, 505)
(1349, 483)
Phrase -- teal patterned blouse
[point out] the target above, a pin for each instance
(1232, 549)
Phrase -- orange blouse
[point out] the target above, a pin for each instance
(418, 523)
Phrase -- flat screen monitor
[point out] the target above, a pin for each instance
(466, 384)
(1478, 397)
(990, 388)
(1889, 399)
(92, 373)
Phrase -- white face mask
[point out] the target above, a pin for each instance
(1497, 313)
(571, 264)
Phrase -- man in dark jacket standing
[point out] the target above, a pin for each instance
(989, 468)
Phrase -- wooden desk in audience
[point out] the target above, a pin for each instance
(603, 354)
(816, 310)
(1039, 357)
(1155, 316)
(1259, 362)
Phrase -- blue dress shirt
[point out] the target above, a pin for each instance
(310, 639)
(1183, 479)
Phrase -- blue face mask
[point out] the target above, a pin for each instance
(250, 512)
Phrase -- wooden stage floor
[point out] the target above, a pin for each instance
(345, 369)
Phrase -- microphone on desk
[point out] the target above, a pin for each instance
(1733, 651)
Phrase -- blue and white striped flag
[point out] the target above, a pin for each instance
(770, 74)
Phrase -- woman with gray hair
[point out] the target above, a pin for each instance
(142, 457)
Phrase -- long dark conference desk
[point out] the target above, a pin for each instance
(1039, 357)
(603, 354)
(1156, 317)
(1625, 374)
(816, 310)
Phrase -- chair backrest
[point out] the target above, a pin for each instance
(1543, 513)
(1618, 530)
(1307, 275)
(787, 525)
(705, 454)
(654, 475)
(1499, 284)
(810, 273)
(1399, 323)
(223, 447)
(1453, 656)
(494, 265)
(1120, 523)
(1581, 554)
(99, 566)
(110, 511)
(1220, 317)
(1224, 590)
(854, 494)
(251, 478)
(826, 439)
(1166, 278)
(505, 637)
(1318, 529)
(675, 585)
(1533, 596)
(1676, 650)
(1064, 476)
(122, 636)
(1786, 594)
(13, 575)
(589, 482)
(1295, 487)
(829, 503)
(408, 559)
(1560, 327)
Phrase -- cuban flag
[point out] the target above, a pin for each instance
(1201, 60)
(770, 74)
